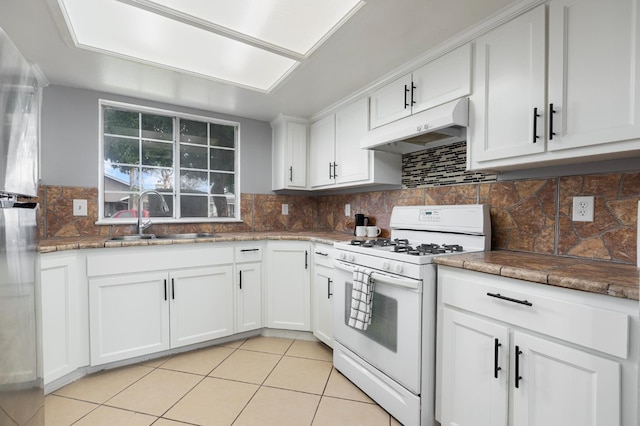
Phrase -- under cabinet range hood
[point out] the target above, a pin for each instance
(446, 123)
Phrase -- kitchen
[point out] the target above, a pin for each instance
(531, 206)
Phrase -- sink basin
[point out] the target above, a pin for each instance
(132, 237)
(186, 236)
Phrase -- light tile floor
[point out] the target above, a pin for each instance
(259, 381)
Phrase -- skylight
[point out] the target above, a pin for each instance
(248, 43)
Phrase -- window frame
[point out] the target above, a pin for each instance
(176, 194)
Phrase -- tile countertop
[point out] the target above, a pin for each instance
(613, 279)
(50, 245)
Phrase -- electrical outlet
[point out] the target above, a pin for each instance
(79, 207)
(583, 209)
(347, 210)
(285, 209)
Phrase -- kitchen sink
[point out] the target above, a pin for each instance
(186, 236)
(132, 237)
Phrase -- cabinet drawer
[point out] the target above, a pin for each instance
(537, 307)
(248, 253)
(323, 255)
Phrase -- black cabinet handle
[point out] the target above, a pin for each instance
(406, 91)
(291, 174)
(413, 88)
(165, 290)
(335, 167)
(517, 375)
(240, 280)
(322, 254)
(173, 289)
(496, 368)
(499, 296)
(329, 294)
(551, 112)
(535, 125)
(306, 259)
(246, 250)
(330, 171)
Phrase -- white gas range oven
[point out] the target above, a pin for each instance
(393, 360)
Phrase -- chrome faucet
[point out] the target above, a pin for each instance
(142, 225)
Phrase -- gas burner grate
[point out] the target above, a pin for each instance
(452, 247)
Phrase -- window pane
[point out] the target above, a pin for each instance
(193, 157)
(222, 159)
(193, 206)
(157, 154)
(223, 135)
(193, 132)
(158, 179)
(194, 182)
(120, 150)
(117, 122)
(152, 205)
(157, 127)
(121, 178)
(117, 205)
(222, 183)
(223, 206)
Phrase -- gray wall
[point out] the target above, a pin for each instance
(69, 149)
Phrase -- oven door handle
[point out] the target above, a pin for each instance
(384, 278)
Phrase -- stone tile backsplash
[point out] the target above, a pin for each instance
(531, 215)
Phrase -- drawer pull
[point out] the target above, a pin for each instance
(510, 299)
(322, 254)
(496, 368)
(246, 250)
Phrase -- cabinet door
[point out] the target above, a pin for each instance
(60, 317)
(352, 162)
(593, 72)
(323, 304)
(443, 79)
(249, 297)
(288, 288)
(391, 102)
(296, 155)
(509, 84)
(322, 152)
(129, 316)
(201, 304)
(472, 395)
(563, 386)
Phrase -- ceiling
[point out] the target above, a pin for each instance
(380, 37)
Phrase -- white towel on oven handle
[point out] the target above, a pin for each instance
(361, 299)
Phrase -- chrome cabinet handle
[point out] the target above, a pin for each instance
(510, 299)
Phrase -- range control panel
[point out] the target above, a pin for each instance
(430, 215)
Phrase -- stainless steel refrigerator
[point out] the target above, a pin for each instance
(21, 384)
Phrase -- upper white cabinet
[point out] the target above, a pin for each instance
(583, 104)
(289, 153)
(439, 81)
(336, 159)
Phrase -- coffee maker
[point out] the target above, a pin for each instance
(361, 220)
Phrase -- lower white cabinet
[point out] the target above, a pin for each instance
(288, 285)
(186, 300)
(248, 287)
(508, 356)
(64, 314)
(323, 293)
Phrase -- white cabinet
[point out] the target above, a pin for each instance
(289, 153)
(515, 354)
(336, 159)
(65, 331)
(323, 293)
(439, 81)
(138, 308)
(248, 287)
(288, 285)
(584, 104)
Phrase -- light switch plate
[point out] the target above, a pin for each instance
(285, 209)
(347, 210)
(79, 207)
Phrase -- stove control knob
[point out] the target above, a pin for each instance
(342, 256)
(386, 266)
(399, 268)
(352, 258)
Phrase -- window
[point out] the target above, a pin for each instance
(191, 161)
